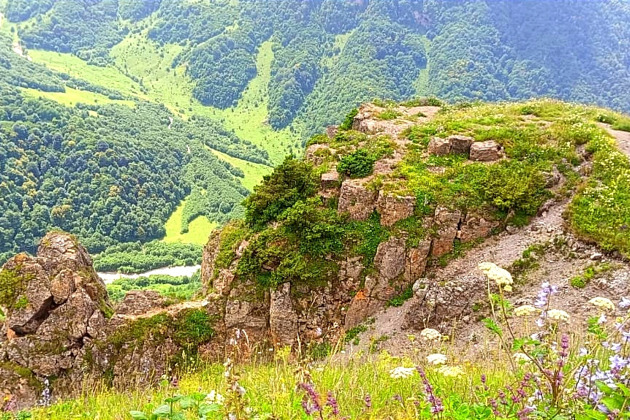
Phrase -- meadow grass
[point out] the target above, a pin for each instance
(72, 97)
(272, 388)
(254, 172)
(198, 229)
(72, 65)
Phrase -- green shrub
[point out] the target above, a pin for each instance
(290, 182)
(347, 122)
(358, 164)
(388, 114)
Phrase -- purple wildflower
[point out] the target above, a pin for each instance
(331, 402)
(368, 401)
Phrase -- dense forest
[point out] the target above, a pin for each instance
(110, 173)
(113, 172)
(331, 55)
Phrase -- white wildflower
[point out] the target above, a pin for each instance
(430, 334)
(436, 359)
(452, 371)
(525, 310)
(214, 398)
(521, 358)
(500, 276)
(603, 303)
(558, 315)
(401, 372)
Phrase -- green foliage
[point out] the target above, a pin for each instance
(231, 236)
(347, 122)
(177, 288)
(600, 211)
(290, 182)
(388, 114)
(580, 281)
(358, 164)
(400, 299)
(364, 237)
(352, 335)
(297, 250)
(12, 284)
(134, 257)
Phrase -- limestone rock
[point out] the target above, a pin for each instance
(360, 308)
(439, 146)
(246, 311)
(19, 388)
(475, 227)
(460, 144)
(390, 264)
(208, 259)
(364, 121)
(447, 223)
(393, 208)
(331, 131)
(222, 284)
(486, 151)
(356, 199)
(282, 316)
(316, 153)
(330, 179)
(139, 302)
(416, 261)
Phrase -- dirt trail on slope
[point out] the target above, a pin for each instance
(622, 137)
(171, 310)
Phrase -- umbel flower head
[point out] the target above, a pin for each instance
(451, 371)
(500, 276)
(558, 315)
(430, 334)
(401, 372)
(436, 359)
(525, 310)
(602, 302)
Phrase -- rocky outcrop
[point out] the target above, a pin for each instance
(394, 208)
(486, 151)
(210, 253)
(53, 303)
(356, 199)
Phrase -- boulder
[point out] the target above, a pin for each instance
(364, 121)
(356, 200)
(460, 144)
(446, 225)
(50, 301)
(394, 208)
(283, 319)
(360, 308)
(439, 146)
(486, 151)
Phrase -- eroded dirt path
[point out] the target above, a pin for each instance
(170, 310)
(622, 137)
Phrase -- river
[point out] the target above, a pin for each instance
(167, 271)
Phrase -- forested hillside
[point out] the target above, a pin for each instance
(331, 54)
(109, 172)
(115, 112)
